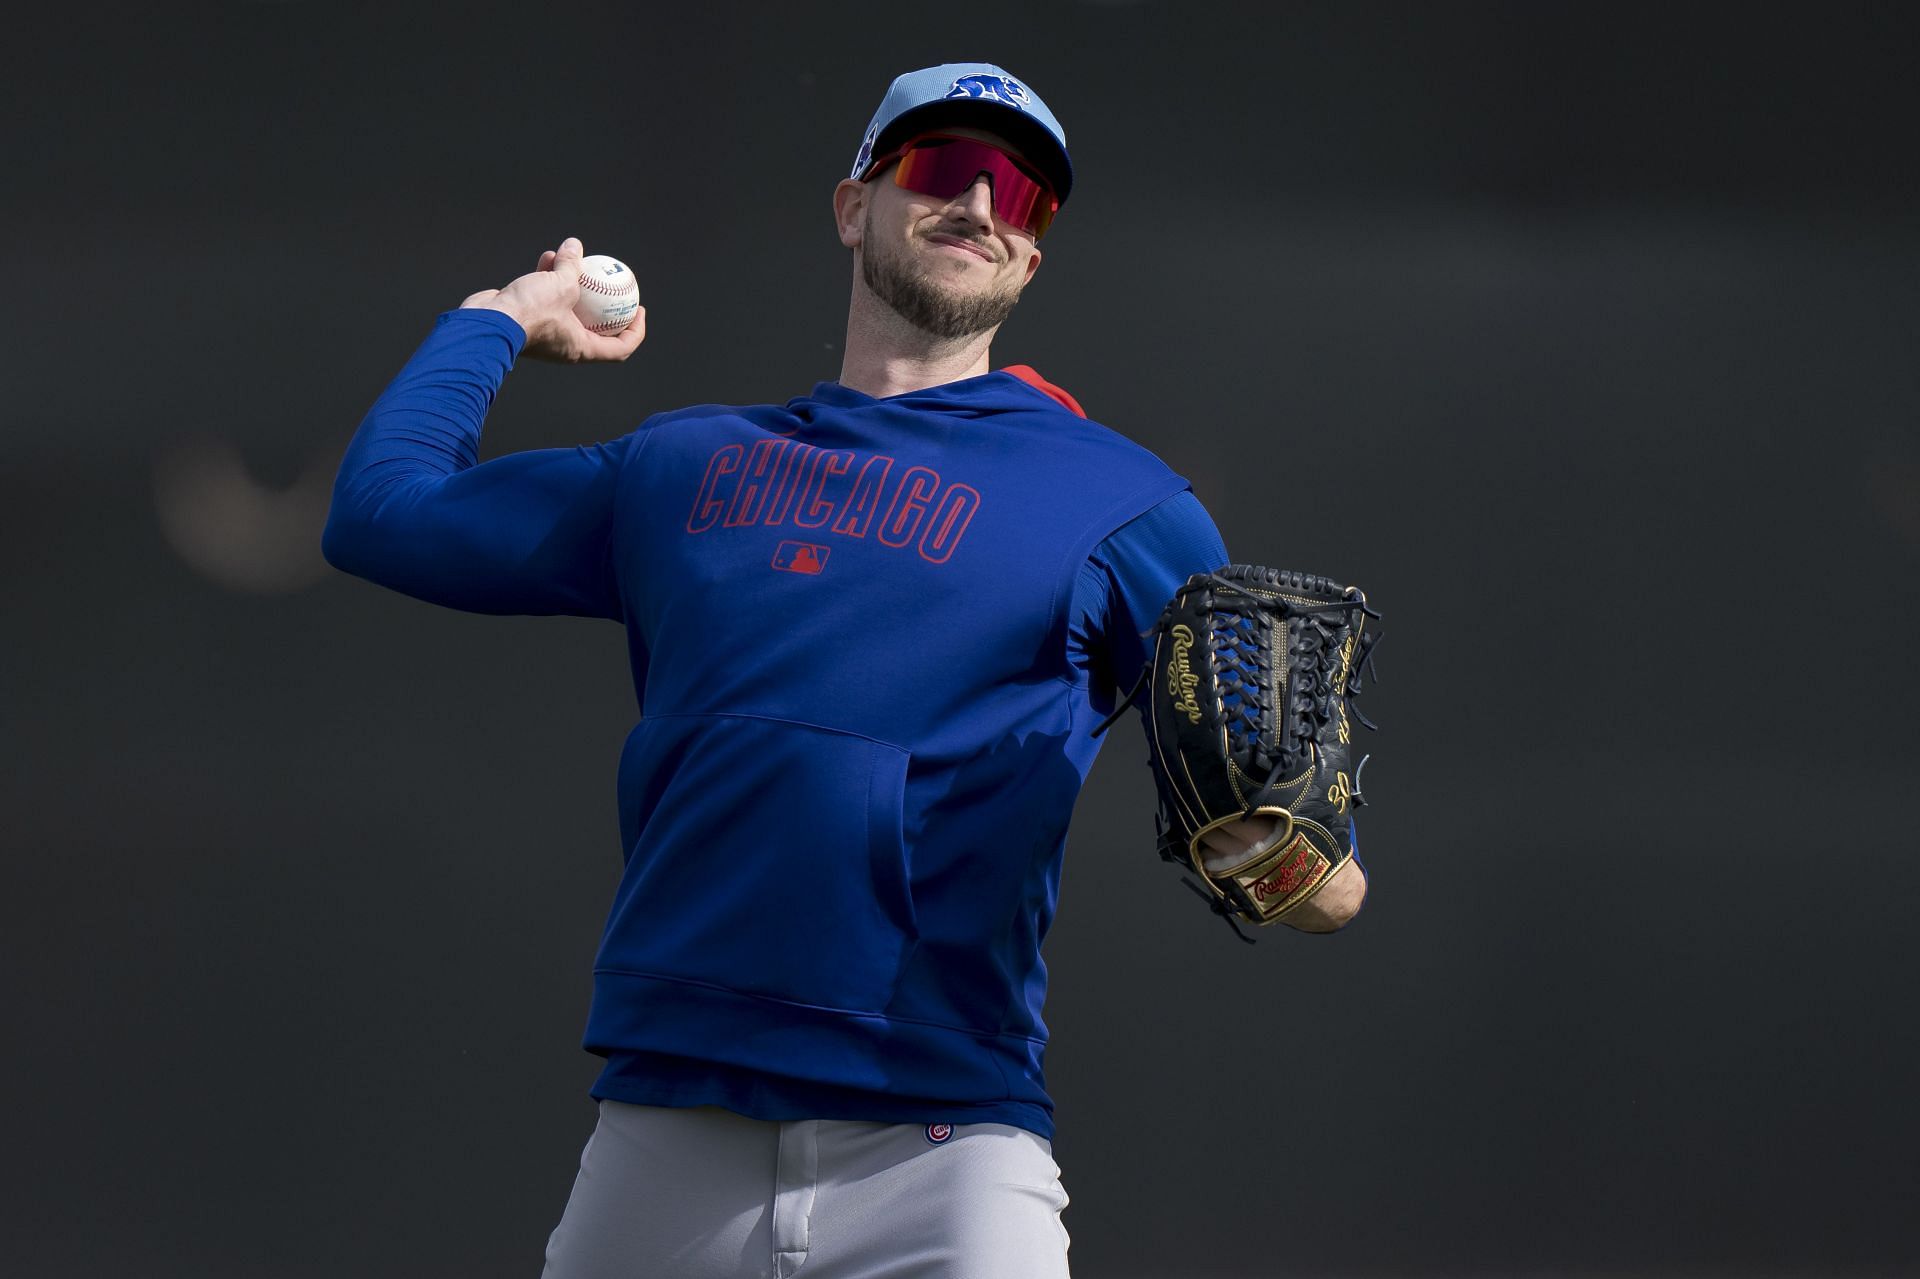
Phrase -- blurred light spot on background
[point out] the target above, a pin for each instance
(234, 530)
(1893, 483)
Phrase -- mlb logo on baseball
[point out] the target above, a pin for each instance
(609, 295)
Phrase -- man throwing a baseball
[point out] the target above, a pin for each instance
(873, 632)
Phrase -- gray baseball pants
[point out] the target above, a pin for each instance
(703, 1193)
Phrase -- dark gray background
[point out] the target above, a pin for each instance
(1582, 336)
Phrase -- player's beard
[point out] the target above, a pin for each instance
(906, 287)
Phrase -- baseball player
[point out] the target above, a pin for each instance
(872, 632)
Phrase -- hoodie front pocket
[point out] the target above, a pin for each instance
(766, 856)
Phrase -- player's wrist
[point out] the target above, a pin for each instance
(505, 307)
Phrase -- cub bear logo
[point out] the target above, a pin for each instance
(1000, 88)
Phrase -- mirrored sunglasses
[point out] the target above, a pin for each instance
(943, 166)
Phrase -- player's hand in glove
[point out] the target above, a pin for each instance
(542, 303)
(1328, 910)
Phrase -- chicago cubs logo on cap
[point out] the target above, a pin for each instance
(866, 149)
(937, 1134)
(1000, 88)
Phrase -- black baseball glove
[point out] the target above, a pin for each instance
(1251, 711)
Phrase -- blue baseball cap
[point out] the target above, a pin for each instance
(969, 93)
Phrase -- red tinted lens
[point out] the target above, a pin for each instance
(945, 167)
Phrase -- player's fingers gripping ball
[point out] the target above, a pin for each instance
(609, 295)
(1251, 713)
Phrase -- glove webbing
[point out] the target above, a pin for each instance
(1363, 655)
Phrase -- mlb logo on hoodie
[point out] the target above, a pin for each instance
(800, 557)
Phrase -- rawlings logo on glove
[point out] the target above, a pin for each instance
(1181, 680)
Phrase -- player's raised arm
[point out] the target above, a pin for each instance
(525, 533)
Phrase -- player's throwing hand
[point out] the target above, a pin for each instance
(542, 302)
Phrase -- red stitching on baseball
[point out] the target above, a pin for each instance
(601, 286)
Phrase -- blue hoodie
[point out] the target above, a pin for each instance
(852, 628)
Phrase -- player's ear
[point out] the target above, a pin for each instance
(850, 210)
(1033, 264)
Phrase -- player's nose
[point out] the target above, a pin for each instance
(977, 202)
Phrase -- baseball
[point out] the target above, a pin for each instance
(609, 295)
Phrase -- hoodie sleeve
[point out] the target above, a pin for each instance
(1127, 581)
(415, 510)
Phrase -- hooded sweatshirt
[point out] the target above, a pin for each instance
(859, 635)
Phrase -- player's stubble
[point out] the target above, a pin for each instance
(896, 279)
